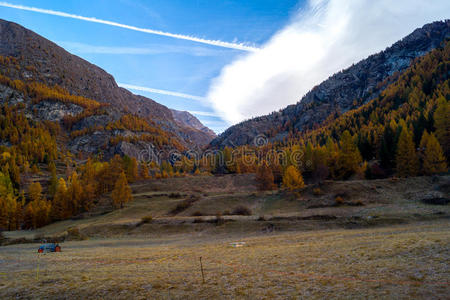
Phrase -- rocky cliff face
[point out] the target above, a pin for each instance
(43, 61)
(343, 91)
(187, 120)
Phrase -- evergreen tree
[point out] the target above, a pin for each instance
(406, 159)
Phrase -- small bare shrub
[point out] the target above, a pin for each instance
(175, 195)
(242, 211)
(197, 214)
(74, 234)
(146, 219)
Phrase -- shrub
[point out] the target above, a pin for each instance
(218, 220)
(339, 200)
(317, 192)
(185, 204)
(242, 211)
(197, 214)
(198, 220)
(75, 234)
(146, 219)
(175, 195)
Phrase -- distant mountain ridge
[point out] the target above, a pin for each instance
(341, 92)
(186, 119)
(43, 61)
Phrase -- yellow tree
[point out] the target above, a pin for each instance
(292, 179)
(35, 191)
(122, 192)
(434, 160)
(442, 124)
(144, 171)
(349, 158)
(74, 194)
(406, 158)
(264, 177)
(59, 205)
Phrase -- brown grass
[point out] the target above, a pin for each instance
(408, 261)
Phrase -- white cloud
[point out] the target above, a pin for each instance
(218, 43)
(81, 48)
(324, 38)
(203, 113)
(162, 92)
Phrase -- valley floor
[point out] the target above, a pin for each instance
(385, 239)
(398, 262)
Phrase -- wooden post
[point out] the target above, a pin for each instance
(201, 268)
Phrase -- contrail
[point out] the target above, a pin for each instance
(163, 92)
(217, 43)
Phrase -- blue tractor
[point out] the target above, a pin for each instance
(49, 248)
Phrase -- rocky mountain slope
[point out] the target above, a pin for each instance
(186, 119)
(343, 91)
(40, 60)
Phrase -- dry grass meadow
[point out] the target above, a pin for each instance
(387, 245)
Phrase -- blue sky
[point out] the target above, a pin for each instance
(251, 57)
(153, 61)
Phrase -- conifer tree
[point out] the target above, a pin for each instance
(144, 174)
(292, 179)
(59, 204)
(406, 159)
(35, 191)
(349, 157)
(53, 179)
(434, 160)
(264, 177)
(122, 192)
(442, 124)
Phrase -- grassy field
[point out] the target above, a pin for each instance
(398, 262)
(381, 241)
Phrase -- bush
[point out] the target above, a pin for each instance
(339, 200)
(185, 204)
(317, 192)
(262, 218)
(175, 195)
(75, 234)
(197, 214)
(242, 211)
(198, 220)
(146, 219)
(218, 220)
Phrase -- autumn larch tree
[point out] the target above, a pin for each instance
(406, 159)
(442, 124)
(121, 193)
(349, 158)
(433, 159)
(293, 179)
(264, 177)
(59, 205)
